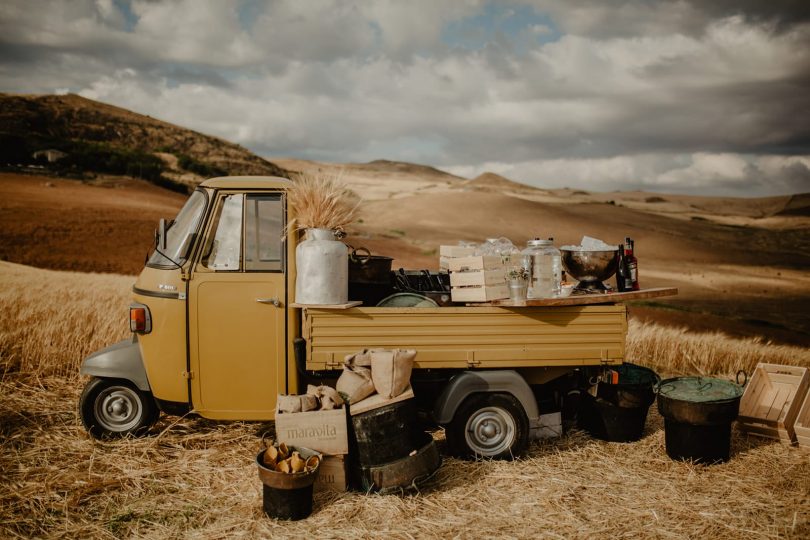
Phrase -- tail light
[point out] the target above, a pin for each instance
(140, 320)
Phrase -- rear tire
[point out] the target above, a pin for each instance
(490, 426)
(112, 408)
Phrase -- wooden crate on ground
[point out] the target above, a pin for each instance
(323, 431)
(771, 401)
(802, 425)
(333, 475)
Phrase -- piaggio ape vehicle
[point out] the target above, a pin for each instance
(215, 333)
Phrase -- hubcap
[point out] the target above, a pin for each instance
(118, 408)
(490, 431)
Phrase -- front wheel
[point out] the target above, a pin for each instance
(490, 426)
(114, 408)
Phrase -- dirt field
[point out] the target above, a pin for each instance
(105, 226)
(746, 279)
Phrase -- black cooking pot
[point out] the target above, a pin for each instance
(699, 401)
(367, 268)
(698, 412)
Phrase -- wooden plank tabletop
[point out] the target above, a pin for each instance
(586, 299)
(347, 305)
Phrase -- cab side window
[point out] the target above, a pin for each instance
(225, 251)
(264, 228)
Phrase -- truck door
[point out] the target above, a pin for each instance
(236, 309)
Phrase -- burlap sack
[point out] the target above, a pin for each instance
(391, 371)
(327, 396)
(362, 358)
(355, 383)
(289, 404)
(309, 402)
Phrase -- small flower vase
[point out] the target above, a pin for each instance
(518, 288)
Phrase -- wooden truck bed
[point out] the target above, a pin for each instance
(471, 337)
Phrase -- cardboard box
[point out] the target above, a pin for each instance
(333, 474)
(323, 431)
(478, 278)
(479, 294)
(549, 426)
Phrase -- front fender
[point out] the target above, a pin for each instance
(471, 382)
(120, 361)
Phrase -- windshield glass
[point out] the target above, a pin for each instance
(179, 231)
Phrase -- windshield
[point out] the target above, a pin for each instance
(179, 231)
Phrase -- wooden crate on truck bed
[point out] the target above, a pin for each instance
(471, 337)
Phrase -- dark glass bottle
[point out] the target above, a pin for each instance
(622, 272)
(632, 264)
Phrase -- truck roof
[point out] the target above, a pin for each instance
(247, 182)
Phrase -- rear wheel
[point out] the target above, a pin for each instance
(114, 408)
(490, 426)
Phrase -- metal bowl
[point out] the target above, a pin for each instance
(590, 268)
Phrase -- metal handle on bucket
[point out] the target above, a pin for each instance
(745, 378)
(362, 259)
(659, 388)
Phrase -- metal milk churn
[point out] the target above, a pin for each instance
(322, 265)
(542, 260)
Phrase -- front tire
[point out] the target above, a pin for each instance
(112, 408)
(490, 426)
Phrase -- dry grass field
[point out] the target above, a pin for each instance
(107, 226)
(193, 478)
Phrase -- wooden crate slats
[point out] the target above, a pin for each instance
(801, 426)
(770, 404)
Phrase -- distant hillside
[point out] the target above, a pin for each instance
(405, 168)
(797, 205)
(96, 137)
(491, 181)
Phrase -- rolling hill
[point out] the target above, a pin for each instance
(740, 264)
(96, 137)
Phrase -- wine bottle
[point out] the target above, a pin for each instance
(621, 272)
(632, 264)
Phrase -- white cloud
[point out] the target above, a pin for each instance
(709, 174)
(656, 94)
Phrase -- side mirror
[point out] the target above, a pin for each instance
(161, 234)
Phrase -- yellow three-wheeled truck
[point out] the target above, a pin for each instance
(215, 333)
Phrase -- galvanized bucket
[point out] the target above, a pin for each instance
(288, 495)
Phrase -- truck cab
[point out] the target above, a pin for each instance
(215, 333)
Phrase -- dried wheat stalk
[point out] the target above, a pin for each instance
(320, 201)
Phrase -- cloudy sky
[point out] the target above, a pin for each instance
(689, 96)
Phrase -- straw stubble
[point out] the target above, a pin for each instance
(197, 478)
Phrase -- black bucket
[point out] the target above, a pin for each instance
(287, 496)
(369, 277)
(636, 386)
(698, 412)
(609, 422)
(288, 504)
(386, 434)
(701, 444)
(618, 413)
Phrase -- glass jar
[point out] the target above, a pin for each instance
(543, 262)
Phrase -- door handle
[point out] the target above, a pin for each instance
(273, 301)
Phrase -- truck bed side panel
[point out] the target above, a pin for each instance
(465, 337)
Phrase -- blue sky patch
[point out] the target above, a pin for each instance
(520, 26)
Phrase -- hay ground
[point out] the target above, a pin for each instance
(194, 478)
